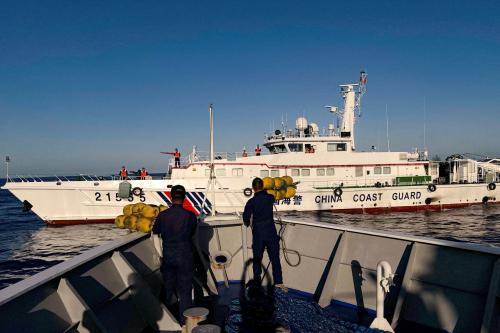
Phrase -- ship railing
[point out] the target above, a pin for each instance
(203, 156)
(55, 178)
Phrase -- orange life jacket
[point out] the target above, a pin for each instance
(177, 154)
(258, 150)
(144, 173)
(123, 172)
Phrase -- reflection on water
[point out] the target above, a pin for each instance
(28, 246)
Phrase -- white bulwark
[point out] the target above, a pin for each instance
(331, 175)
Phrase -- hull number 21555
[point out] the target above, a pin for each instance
(114, 197)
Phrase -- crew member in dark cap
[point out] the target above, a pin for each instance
(177, 227)
(259, 209)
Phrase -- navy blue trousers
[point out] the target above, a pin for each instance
(269, 241)
(177, 271)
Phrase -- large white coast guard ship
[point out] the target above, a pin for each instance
(331, 174)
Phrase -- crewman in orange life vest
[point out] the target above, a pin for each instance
(258, 151)
(143, 173)
(123, 173)
(177, 157)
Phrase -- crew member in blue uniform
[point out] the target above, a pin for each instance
(177, 227)
(259, 209)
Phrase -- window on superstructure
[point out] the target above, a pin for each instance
(320, 172)
(295, 147)
(306, 172)
(387, 170)
(341, 147)
(237, 172)
(277, 149)
(377, 170)
(331, 147)
(359, 171)
(330, 171)
(275, 173)
(295, 172)
(220, 172)
(264, 173)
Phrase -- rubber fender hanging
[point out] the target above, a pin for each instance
(247, 192)
(492, 186)
(338, 192)
(137, 191)
(431, 187)
(378, 184)
(485, 200)
(428, 201)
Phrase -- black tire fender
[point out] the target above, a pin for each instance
(247, 192)
(338, 192)
(485, 200)
(137, 191)
(492, 186)
(431, 188)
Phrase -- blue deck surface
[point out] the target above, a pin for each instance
(294, 310)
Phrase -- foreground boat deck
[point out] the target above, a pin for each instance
(440, 286)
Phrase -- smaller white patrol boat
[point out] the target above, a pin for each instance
(333, 175)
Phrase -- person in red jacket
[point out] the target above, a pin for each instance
(123, 173)
(258, 150)
(143, 173)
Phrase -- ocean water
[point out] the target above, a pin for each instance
(28, 246)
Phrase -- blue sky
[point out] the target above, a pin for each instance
(86, 86)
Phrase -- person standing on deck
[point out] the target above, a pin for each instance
(258, 150)
(177, 157)
(143, 173)
(177, 227)
(123, 173)
(259, 209)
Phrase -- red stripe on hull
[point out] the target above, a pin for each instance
(75, 222)
(406, 209)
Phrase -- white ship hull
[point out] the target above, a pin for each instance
(89, 202)
(324, 163)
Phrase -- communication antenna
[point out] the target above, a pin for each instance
(387, 129)
(7, 161)
(425, 123)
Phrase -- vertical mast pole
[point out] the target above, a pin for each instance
(387, 129)
(212, 173)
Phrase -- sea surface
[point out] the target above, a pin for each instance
(28, 246)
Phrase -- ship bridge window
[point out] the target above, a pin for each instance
(320, 172)
(377, 170)
(264, 173)
(330, 171)
(387, 170)
(295, 172)
(310, 148)
(275, 173)
(336, 147)
(306, 172)
(220, 172)
(295, 147)
(359, 171)
(277, 149)
(238, 172)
